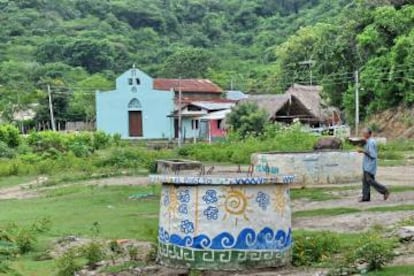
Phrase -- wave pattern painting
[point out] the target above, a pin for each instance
(248, 239)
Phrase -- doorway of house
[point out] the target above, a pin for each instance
(176, 128)
(135, 124)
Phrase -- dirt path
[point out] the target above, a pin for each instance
(351, 222)
(22, 191)
(122, 181)
(349, 199)
(401, 175)
(17, 193)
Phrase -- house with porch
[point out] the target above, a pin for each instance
(203, 119)
(141, 107)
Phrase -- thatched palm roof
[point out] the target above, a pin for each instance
(309, 96)
(270, 103)
(301, 100)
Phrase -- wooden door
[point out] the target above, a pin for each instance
(176, 128)
(135, 124)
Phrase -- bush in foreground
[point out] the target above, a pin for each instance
(314, 248)
(10, 135)
(374, 250)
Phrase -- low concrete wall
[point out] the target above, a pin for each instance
(311, 168)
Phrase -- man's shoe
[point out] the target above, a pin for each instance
(363, 200)
(386, 195)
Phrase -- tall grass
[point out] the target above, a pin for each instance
(238, 151)
(52, 153)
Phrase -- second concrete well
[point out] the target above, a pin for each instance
(311, 168)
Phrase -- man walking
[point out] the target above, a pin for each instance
(369, 165)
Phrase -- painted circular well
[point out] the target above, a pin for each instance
(221, 223)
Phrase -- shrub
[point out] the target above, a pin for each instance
(6, 269)
(8, 249)
(314, 248)
(101, 140)
(10, 135)
(374, 250)
(67, 264)
(119, 158)
(117, 138)
(82, 139)
(132, 252)
(24, 240)
(397, 145)
(94, 253)
(247, 119)
(41, 225)
(81, 144)
(43, 141)
(79, 149)
(15, 239)
(6, 151)
(24, 148)
(390, 155)
(132, 157)
(115, 247)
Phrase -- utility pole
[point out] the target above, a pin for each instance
(19, 109)
(179, 113)
(310, 63)
(52, 117)
(356, 102)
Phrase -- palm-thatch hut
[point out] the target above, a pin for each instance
(299, 102)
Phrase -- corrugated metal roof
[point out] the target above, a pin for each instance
(218, 115)
(236, 95)
(213, 105)
(189, 100)
(187, 85)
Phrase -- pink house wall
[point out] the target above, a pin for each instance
(215, 130)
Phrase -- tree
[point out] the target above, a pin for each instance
(188, 63)
(93, 55)
(247, 119)
(82, 102)
(52, 50)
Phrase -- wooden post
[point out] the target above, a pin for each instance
(52, 118)
(180, 134)
(356, 102)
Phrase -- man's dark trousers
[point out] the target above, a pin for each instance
(368, 181)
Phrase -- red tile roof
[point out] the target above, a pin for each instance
(187, 85)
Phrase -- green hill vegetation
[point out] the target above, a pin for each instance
(79, 46)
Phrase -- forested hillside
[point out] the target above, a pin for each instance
(375, 38)
(79, 46)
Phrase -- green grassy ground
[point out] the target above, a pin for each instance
(314, 194)
(72, 211)
(14, 180)
(346, 240)
(406, 270)
(327, 193)
(326, 212)
(343, 211)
